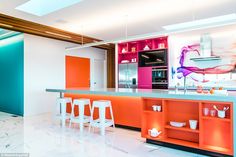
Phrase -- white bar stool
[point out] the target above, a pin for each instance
(102, 122)
(62, 102)
(81, 118)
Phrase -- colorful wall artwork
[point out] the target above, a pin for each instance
(190, 60)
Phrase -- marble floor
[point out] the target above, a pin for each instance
(5, 115)
(41, 137)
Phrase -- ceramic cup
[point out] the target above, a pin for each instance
(158, 108)
(205, 111)
(213, 113)
(193, 124)
(221, 114)
(154, 108)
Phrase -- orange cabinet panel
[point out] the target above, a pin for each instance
(127, 110)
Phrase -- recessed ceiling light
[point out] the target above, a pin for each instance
(218, 20)
(44, 7)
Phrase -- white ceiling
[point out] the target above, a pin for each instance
(107, 19)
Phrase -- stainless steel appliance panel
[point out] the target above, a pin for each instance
(128, 75)
(123, 73)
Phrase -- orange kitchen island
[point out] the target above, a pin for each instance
(133, 108)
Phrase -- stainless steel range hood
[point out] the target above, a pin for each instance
(206, 49)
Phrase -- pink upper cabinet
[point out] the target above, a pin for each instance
(128, 51)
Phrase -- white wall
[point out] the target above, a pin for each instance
(93, 54)
(44, 67)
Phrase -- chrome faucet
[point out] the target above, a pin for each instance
(185, 88)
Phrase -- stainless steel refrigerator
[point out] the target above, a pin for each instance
(128, 75)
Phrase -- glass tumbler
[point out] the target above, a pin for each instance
(213, 113)
(205, 111)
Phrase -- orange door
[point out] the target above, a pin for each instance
(77, 72)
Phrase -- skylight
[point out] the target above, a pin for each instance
(44, 7)
(218, 20)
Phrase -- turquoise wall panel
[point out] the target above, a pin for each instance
(12, 75)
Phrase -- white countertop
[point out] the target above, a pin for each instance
(151, 93)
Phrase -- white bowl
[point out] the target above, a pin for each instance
(177, 124)
(125, 61)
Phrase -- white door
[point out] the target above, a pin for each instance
(99, 74)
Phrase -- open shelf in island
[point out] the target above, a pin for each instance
(203, 137)
(216, 118)
(186, 129)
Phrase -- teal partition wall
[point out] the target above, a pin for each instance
(12, 75)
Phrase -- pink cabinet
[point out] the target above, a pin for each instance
(145, 77)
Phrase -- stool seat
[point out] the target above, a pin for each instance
(102, 122)
(64, 100)
(104, 103)
(81, 101)
(81, 118)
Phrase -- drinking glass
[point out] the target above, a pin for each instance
(213, 113)
(205, 111)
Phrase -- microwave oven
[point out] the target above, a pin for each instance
(152, 58)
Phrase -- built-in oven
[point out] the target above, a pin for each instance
(159, 78)
(152, 58)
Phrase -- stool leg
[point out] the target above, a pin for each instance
(90, 111)
(63, 114)
(91, 118)
(90, 108)
(102, 118)
(55, 110)
(72, 114)
(81, 117)
(112, 117)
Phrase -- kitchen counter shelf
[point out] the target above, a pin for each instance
(127, 62)
(181, 129)
(151, 112)
(126, 53)
(216, 118)
(148, 93)
(159, 138)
